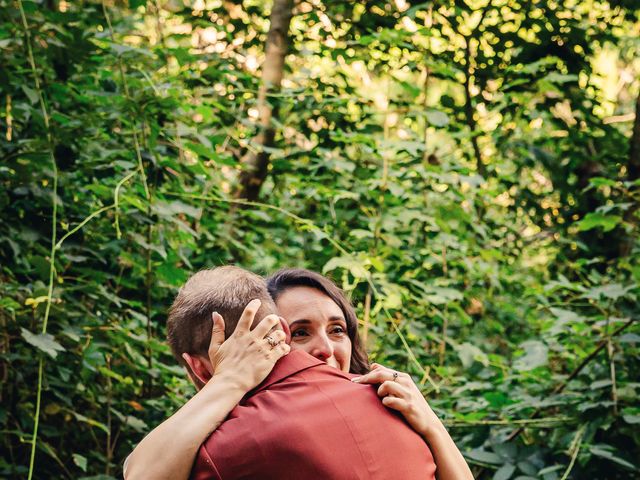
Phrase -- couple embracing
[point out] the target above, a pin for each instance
(285, 390)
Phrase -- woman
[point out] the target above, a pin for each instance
(322, 323)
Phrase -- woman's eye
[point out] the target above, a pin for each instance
(299, 333)
(337, 330)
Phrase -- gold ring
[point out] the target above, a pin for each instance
(395, 376)
(271, 341)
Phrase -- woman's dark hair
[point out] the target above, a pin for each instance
(287, 278)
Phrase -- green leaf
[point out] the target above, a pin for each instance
(80, 461)
(176, 207)
(556, 77)
(504, 472)
(469, 353)
(210, 154)
(442, 295)
(612, 291)
(31, 94)
(137, 424)
(598, 220)
(354, 266)
(9, 304)
(171, 274)
(606, 451)
(632, 419)
(629, 338)
(602, 182)
(437, 118)
(360, 234)
(484, 456)
(535, 356)
(91, 421)
(600, 384)
(43, 342)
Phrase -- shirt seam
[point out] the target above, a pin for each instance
(213, 465)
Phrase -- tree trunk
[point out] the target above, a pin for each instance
(633, 174)
(256, 163)
(633, 167)
(469, 111)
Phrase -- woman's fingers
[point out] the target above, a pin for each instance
(279, 351)
(396, 403)
(379, 375)
(277, 336)
(217, 332)
(265, 326)
(391, 388)
(249, 313)
(375, 376)
(273, 339)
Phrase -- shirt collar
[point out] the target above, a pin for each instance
(292, 363)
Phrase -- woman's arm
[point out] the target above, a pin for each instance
(399, 392)
(238, 364)
(169, 450)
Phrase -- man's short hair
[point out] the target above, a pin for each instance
(226, 290)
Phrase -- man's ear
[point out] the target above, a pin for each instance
(287, 331)
(198, 368)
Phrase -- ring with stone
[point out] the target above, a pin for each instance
(395, 376)
(271, 341)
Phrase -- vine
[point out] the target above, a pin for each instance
(54, 221)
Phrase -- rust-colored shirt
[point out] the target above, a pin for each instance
(309, 421)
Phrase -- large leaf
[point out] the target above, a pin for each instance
(43, 342)
(598, 220)
(535, 355)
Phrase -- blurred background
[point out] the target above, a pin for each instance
(467, 170)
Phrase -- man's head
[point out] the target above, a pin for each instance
(226, 290)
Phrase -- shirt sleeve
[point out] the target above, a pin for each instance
(204, 468)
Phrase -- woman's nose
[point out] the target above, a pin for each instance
(322, 348)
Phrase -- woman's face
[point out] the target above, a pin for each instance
(317, 325)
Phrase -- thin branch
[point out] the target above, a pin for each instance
(574, 450)
(54, 221)
(83, 223)
(367, 316)
(539, 422)
(601, 346)
(116, 202)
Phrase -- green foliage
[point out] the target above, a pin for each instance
(460, 168)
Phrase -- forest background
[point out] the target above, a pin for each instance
(467, 170)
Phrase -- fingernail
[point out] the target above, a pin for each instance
(356, 379)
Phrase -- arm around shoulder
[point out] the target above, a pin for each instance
(238, 365)
(169, 450)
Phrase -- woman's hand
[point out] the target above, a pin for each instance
(399, 392)
(247, 356)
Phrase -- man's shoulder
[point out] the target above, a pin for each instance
(291, 365)
(315, 417)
